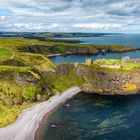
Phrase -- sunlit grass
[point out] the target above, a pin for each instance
(5, 53)
(9, 114)
(115, 64)
(13, 68)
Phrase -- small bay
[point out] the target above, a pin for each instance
(92, 116)
(95, 117)
(132, 40)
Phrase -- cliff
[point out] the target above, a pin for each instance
(48, 47)
(110, 79)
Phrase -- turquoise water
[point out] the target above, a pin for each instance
(95, 117)
(121, 39)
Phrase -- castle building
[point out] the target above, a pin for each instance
(88, 61)
(127, 59)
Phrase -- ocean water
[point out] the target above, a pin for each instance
(131, 40)
(92, 116)
(121, 39)
(95, 117)
(82, 58)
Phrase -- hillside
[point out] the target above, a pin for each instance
(27, 78)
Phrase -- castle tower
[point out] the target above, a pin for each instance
(88, 61)
(125, 60)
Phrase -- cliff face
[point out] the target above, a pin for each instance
(105, 81)
(23, 84)
(17, 87)
(74, 49)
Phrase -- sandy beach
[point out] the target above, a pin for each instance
(60, 54)
(51, 55)
(24, 128)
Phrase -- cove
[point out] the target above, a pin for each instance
(81, 58)
(118, 39)
(91, 116)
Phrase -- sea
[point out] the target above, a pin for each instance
(93, 116)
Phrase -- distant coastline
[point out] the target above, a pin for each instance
(102, 51)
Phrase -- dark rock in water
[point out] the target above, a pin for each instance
(67, 105)
(53, 126)
(103, 51)
(64, 55)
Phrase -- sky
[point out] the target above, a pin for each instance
(70, 16)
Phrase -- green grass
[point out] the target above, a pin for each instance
(106, 63)
(13, 68)
(37, 61)
(5, 53)
(22, 60)
(15, 88)
(9, 114)
(14, 42)
(63, 82)
(131, 66)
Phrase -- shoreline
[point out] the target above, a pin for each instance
(52, 55)
(97, 53)
(61, 54)
(28, 122)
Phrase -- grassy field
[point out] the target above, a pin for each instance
(9, 114)
(13, 68)
(37, 61)
(5, 53)
(116, 64)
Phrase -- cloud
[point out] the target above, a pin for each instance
(96, 26)
(125, 8)
(31, 26)
(2, 18)
(70, 15)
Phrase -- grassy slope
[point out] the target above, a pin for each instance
(37, 61)
(61, 83)
(10, 114)
(5, 53)
(14, 63)
(10, 91)
(106, 63)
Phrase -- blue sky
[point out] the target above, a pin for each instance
(70, 15)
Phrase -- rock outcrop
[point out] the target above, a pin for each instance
(18, 87)
(64, 69)
(108, 81)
